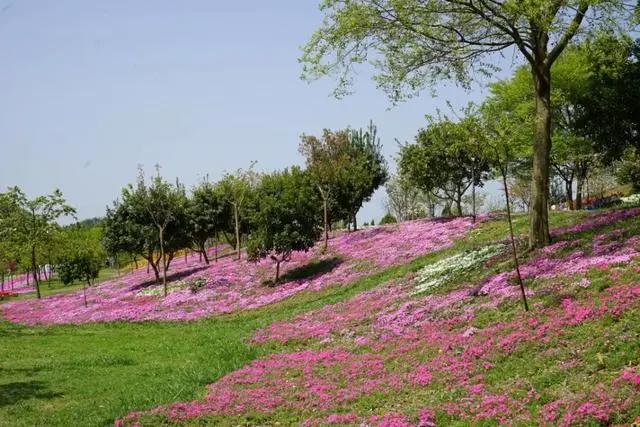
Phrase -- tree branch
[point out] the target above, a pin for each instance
(568, 35)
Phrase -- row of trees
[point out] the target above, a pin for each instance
(596, 126)
(415, 43)
(273, 214)
(33, 241)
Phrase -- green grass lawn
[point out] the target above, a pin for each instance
(93, 374)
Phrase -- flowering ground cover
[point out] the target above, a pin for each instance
(392, 356)
(239, 285)
(376, 352)
(19, 285)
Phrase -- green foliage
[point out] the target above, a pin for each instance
(347, 166)
(405, 201)
(30, 224)
(238, 191)
(286, 219)
(141, 366)
(208, 215)
(82, 255)
(328, 163)
(367, 170)
(446, 159)
(610, 100)
(414, 43)
(149, 221)
(388, 219)
(628, 170)
(82, 266)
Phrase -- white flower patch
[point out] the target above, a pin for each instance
(437, 274)
(633, 199)
(158, 290)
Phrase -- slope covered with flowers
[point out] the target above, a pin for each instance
(19, 285)
(229, 285)
(460, 350)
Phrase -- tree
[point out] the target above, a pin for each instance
(628, 170)
(414, 43)
(405, 201)
(445, 160)
(238, 190)
(286, 219)
(83, 257)
(149, 221)
(31, 222)
(127, 229)
(367, 170)
(609, 113)
(520, 190)
(165, 205)
(388, 218)
(327, 162)
(208, 214)
(572, 152)
(347, 166)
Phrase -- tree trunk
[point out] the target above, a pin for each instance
(168, 258)
(164, 264)
(84, 292)
(216, 247)
(156, 272)
(204, 254)
(579, 185)
(355, 223)
(326, 226)
(568, 184)
(235, 214)
(539, 214)
(473, 195)
(277, 272)
(459, 204)
(35, 273)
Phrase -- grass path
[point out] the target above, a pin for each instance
(93, 374)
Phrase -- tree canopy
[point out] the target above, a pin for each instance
(414, 43)
(446, 159)
(286, 219)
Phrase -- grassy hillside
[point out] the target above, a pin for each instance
(397, 347)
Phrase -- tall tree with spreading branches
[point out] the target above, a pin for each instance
(31, 222)
(415, 43)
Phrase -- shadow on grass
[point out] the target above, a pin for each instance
(313, 269)
(12, 393)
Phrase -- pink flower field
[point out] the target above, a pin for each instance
(446, 351)
(239, 285)
(18, 285)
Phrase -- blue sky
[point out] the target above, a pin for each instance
(92, 89)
